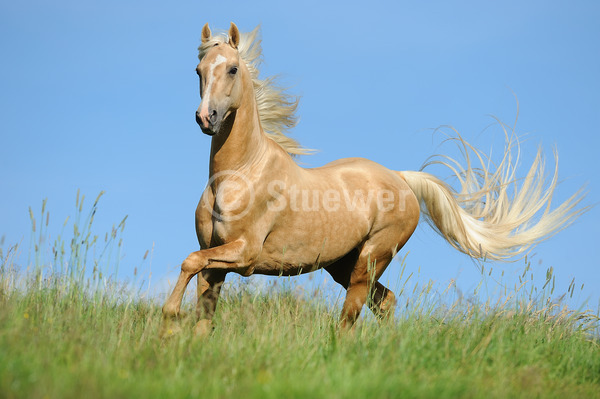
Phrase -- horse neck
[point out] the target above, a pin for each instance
(241, 142)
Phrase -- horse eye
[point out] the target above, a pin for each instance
(233, 70)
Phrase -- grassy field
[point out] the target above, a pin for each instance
(73, 333)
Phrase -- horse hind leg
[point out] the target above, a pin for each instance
(380, 299)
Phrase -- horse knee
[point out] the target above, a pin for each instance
(192, 264)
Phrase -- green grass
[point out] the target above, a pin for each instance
(67, 336)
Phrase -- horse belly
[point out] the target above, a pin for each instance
(310, 243)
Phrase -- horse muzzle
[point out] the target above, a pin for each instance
(209, 121)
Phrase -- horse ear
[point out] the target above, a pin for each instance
(234, 36)
(206, 34)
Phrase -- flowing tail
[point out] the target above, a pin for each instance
(491, 217)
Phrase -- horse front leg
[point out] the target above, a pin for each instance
(228, 257)
(210, 282)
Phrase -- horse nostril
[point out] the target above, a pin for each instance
(213, 116)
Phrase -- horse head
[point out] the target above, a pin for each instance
(221, 86)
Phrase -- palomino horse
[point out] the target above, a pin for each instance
(262, 213)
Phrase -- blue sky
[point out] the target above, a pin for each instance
(101, 96)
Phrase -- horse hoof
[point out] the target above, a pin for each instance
(169, 328)
(203, 328)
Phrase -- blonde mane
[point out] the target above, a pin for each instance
(276, 108)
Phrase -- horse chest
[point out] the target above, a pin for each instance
(233, 201)
(223, 231)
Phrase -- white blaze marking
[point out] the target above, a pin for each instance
(218, 61)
